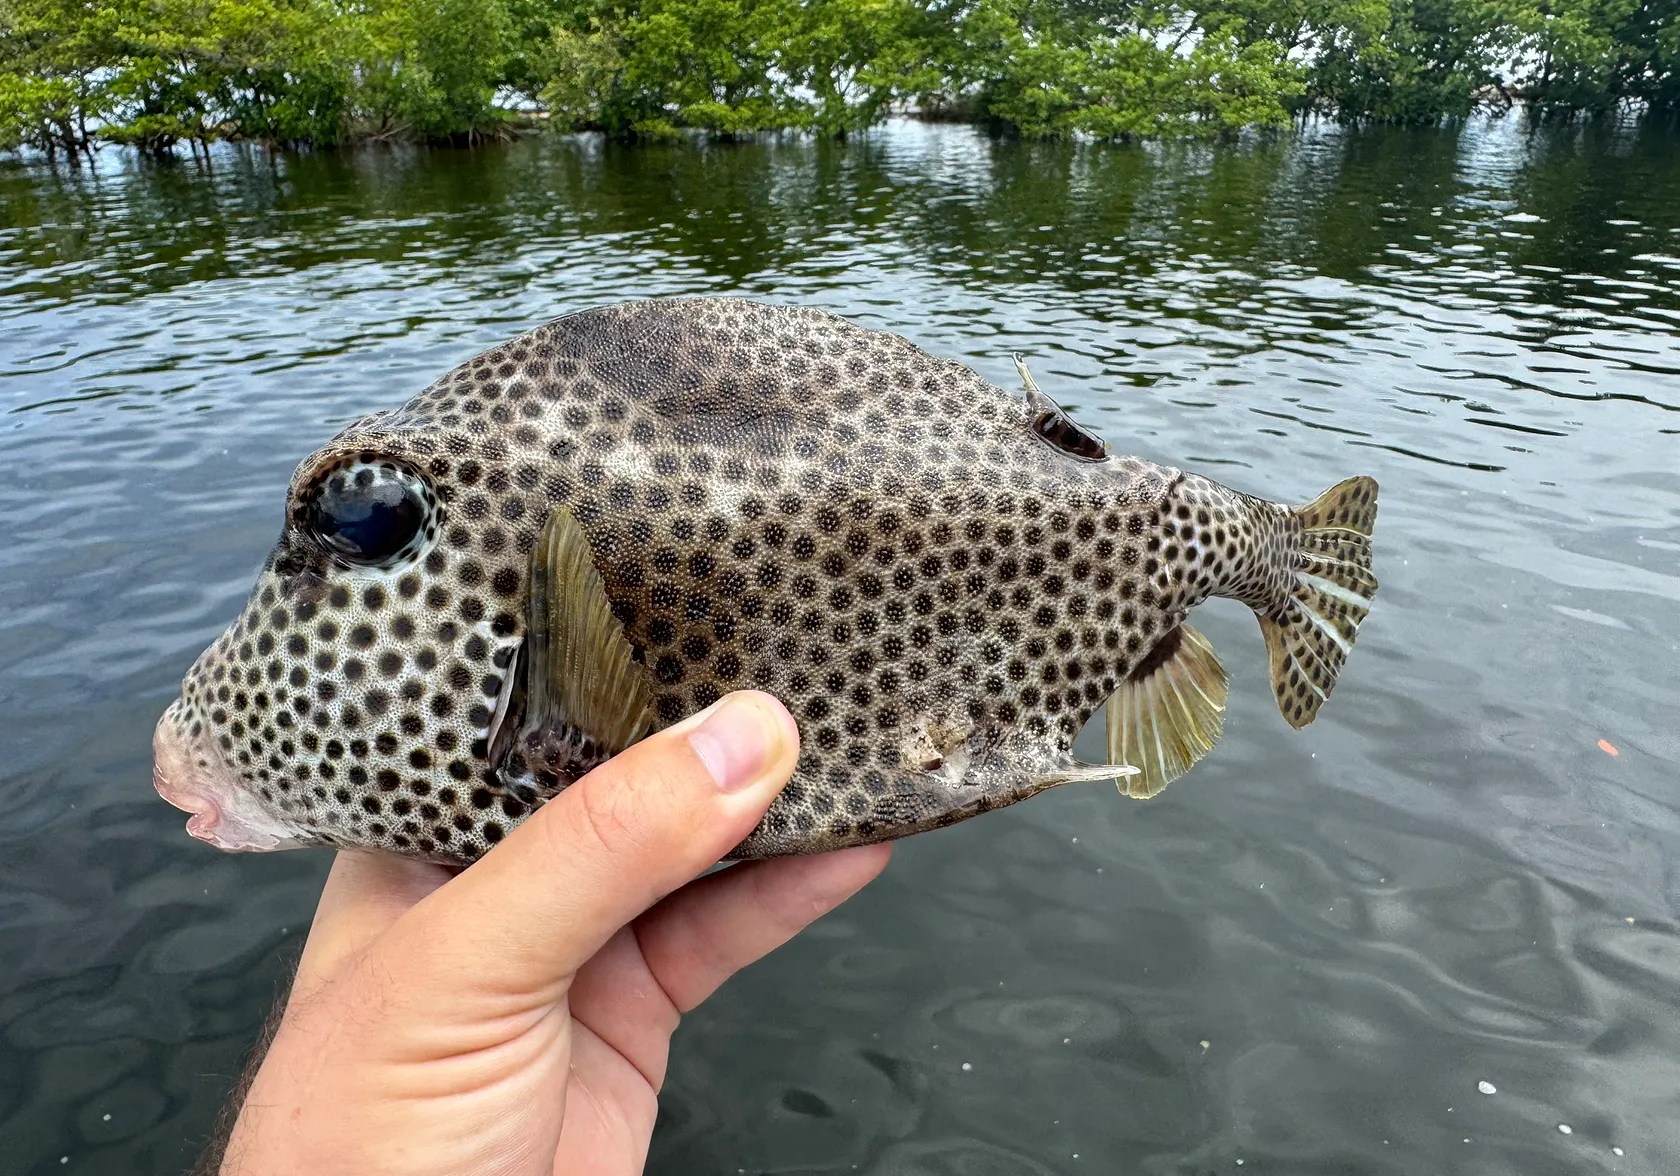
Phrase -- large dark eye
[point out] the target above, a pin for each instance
(371, 514)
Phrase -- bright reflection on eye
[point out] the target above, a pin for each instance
(370, 515)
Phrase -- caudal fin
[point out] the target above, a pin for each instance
(1310, 634)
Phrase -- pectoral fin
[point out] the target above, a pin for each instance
(585, 695)
(1168, 713)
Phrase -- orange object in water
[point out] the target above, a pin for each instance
(1607, 747)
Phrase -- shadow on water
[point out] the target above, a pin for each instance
(1304, 957)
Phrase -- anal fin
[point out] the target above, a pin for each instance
(1168, 713)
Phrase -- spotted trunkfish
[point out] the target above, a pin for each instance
(589, 532)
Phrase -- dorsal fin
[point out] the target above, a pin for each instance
(1053, 424)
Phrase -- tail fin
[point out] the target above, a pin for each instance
(1310, 634)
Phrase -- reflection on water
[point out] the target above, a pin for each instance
(1305, 956)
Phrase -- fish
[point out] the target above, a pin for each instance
(602, 526)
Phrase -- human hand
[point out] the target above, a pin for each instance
(516, 1017)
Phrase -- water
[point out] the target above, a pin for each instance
(1305, 957)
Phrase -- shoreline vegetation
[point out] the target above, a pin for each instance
(160, 74)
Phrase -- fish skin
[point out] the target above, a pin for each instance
(940, 588)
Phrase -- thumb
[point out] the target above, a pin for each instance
(532, 911)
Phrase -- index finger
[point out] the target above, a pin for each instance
(365, 893)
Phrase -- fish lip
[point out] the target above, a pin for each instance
(223, 813)
(205, 812)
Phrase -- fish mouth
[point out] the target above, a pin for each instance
(191, 775)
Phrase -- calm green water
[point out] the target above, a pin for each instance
(1303, 958)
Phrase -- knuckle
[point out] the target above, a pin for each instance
(634, 802)
(625, 803)
(614, 814)
(781, 905)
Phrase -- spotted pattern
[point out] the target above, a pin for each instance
(940, 590)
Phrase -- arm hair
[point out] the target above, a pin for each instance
(210, 1160)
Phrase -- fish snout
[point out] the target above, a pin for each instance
(190, 773)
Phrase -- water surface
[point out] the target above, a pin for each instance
(1303, 958)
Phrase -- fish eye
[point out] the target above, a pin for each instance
(371, 514)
